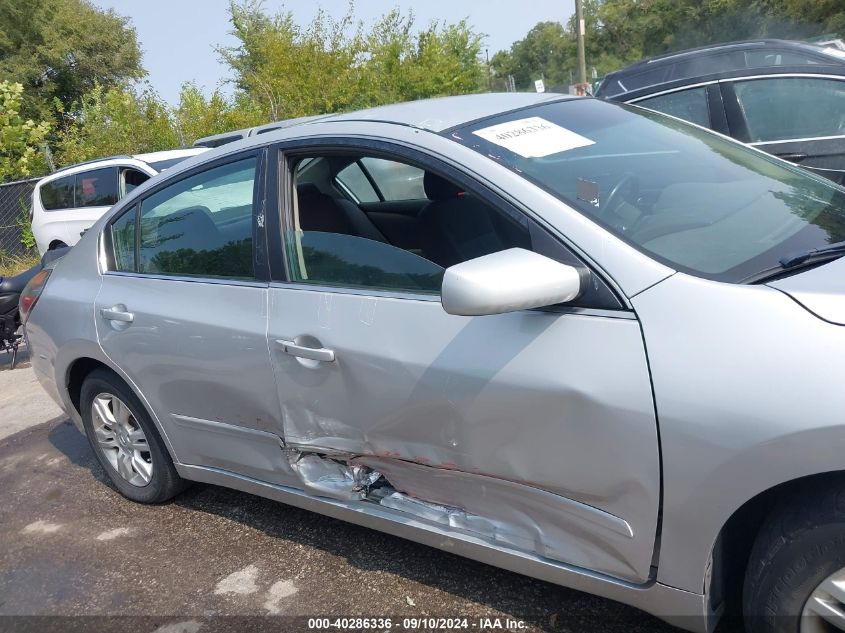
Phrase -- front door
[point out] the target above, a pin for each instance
(182, 312)
(533, 430)
(798, 118)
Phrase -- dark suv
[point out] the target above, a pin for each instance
(786, 98)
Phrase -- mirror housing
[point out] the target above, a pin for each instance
(510, 280)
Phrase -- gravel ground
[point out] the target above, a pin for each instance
(216, 559)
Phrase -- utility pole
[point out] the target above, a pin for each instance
(579, 29)
(489, 75)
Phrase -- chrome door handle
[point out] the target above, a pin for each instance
(311, 353)
(112, 314)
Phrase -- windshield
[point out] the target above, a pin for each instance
(689, 198)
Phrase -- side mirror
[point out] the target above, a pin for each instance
(515, 279)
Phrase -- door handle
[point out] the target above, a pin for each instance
(114, 314)
(311, 353)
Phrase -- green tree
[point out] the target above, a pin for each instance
(196, 116)
(62, 49)
(116, 120)
(332, 65)
(20, 139)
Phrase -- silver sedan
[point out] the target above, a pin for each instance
(579, 340)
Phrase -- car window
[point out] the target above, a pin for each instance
(395, 180)
(764, 58)
(201, 225)
(336, 243)
(352, 177)
(96, 188)
(58, 193)
(123, 241)
(161, 165)
(132, 178)
(690, 105)
(783, 108)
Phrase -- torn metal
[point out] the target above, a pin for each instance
(327, 477)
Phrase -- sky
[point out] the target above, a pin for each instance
(178, 36)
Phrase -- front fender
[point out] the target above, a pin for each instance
(746, 386)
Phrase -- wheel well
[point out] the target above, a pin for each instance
(77, 374)
(733, 545)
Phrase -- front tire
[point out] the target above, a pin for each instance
(795, 582)
(125, 440)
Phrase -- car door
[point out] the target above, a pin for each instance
(533, 431)
(182, 311)
(800, 118)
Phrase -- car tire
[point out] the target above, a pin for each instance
(156, 480)
(799, 549)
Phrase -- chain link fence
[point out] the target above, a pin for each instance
(15, 203)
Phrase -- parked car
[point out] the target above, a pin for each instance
(603, 348)
(68, 201)
(785, 98)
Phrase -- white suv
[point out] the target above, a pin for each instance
(66, 203)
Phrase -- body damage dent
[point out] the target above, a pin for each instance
(502, 512)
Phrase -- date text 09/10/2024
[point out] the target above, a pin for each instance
(422, 623)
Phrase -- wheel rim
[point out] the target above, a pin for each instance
(121, 440)
(824, 610)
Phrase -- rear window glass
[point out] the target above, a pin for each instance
(58, 193)
(690, 105)
(96, 188)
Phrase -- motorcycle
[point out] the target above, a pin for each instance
(10, 294)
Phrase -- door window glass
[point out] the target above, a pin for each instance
(132, 178)
(201, 225)
(352, 177)
(123, 241)
(335, 242)
(785, 108)
(690, 105)
(96, 188)
(395, 180)
(58, 193)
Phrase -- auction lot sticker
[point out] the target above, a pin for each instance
(533, 137)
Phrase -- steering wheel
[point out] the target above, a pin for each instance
(617, 194)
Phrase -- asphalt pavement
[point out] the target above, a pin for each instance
(215, 559)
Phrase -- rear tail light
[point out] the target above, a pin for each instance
(31, 292)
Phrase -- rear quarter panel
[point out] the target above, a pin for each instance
(61, 326)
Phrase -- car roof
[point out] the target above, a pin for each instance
(435, 114)
(738, 73)
(614, 85)
(442, 113)
(105, 161)
(169, 154)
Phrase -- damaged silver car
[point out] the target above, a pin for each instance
(575, 339)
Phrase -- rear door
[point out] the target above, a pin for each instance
(533, 431)
(800, 118)
(183, 312)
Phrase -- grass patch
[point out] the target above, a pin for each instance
(16, 264)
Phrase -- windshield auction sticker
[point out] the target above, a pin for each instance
(533, 137)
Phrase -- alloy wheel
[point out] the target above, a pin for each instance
(824, 611)
(121, 439)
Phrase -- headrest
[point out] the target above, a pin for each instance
(437, 188)
(307, 189)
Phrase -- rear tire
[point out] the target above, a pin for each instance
(125, 440)
(800, 547)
